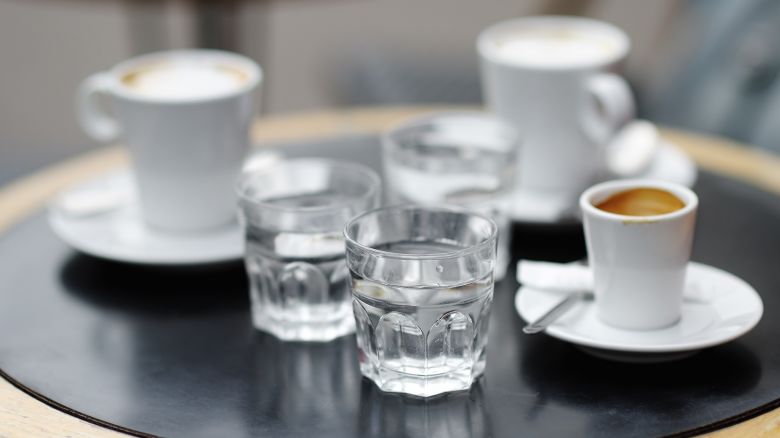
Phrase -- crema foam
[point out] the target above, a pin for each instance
(556, 46)
(184, 80)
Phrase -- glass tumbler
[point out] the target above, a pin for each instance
(422, 283)
(457, 158)
(293, 215)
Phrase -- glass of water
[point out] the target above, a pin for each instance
(293, 215)
(422, 283)
(458, 158)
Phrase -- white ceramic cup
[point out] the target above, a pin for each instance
(568, 103)
(187, 148)
(638, 262)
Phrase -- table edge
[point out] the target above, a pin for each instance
(29, 194)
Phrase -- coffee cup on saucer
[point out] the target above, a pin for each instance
(184, 116)
(554, 78)
(639, 235)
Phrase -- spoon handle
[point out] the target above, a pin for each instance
(556, 312)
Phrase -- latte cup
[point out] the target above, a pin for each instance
(639, 263)
(553, 78)
(184, 116)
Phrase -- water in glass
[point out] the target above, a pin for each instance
(293, 216)
(457, 158)
(299, 280)
(422, 340)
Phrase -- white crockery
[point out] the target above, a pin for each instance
(568, 107)
(632, 149)
(669, 164)
(639, 262)
(718, 308)
(186, 150)
(101, 217)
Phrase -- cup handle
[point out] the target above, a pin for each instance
(92, 116)
(609, 105)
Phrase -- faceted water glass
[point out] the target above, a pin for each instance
(457, 158)
(422, 283)
(293, 215)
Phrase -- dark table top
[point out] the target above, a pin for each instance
(172, 351)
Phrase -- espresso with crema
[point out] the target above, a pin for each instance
(556, 45)
(641, 202)
(177, 80)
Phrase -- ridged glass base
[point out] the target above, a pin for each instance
(303, 331)
(422, 386)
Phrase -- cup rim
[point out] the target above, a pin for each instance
(443, 115)
(687, 195)
(254, 71)
(488, 241)
(337, 166)
(486, 48)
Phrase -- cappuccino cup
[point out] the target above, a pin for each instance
(184, 116)
(639, 235)
(553, 79)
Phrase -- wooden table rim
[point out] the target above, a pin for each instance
(22, 414)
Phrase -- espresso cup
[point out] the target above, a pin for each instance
(639, 260)
(552, 79)
(184, 116)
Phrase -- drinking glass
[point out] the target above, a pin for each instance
(293, 215)
(422, 283)
(458, 158)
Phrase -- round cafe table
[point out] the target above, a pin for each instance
(23, 415)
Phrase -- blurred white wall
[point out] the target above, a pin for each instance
(48, 46)
(311, 40)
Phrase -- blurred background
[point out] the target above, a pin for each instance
(706, 65)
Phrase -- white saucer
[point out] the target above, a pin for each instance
(719, 307)
(669, 164)
(101, 217)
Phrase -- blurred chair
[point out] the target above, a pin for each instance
(726, 81)
(215, 24)
(722, 63)
(381, 78)
(390, 79)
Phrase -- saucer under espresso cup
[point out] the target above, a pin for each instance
(647, 297)
(717, 307)
(102, 217)
(184, 116)
(553, 79)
